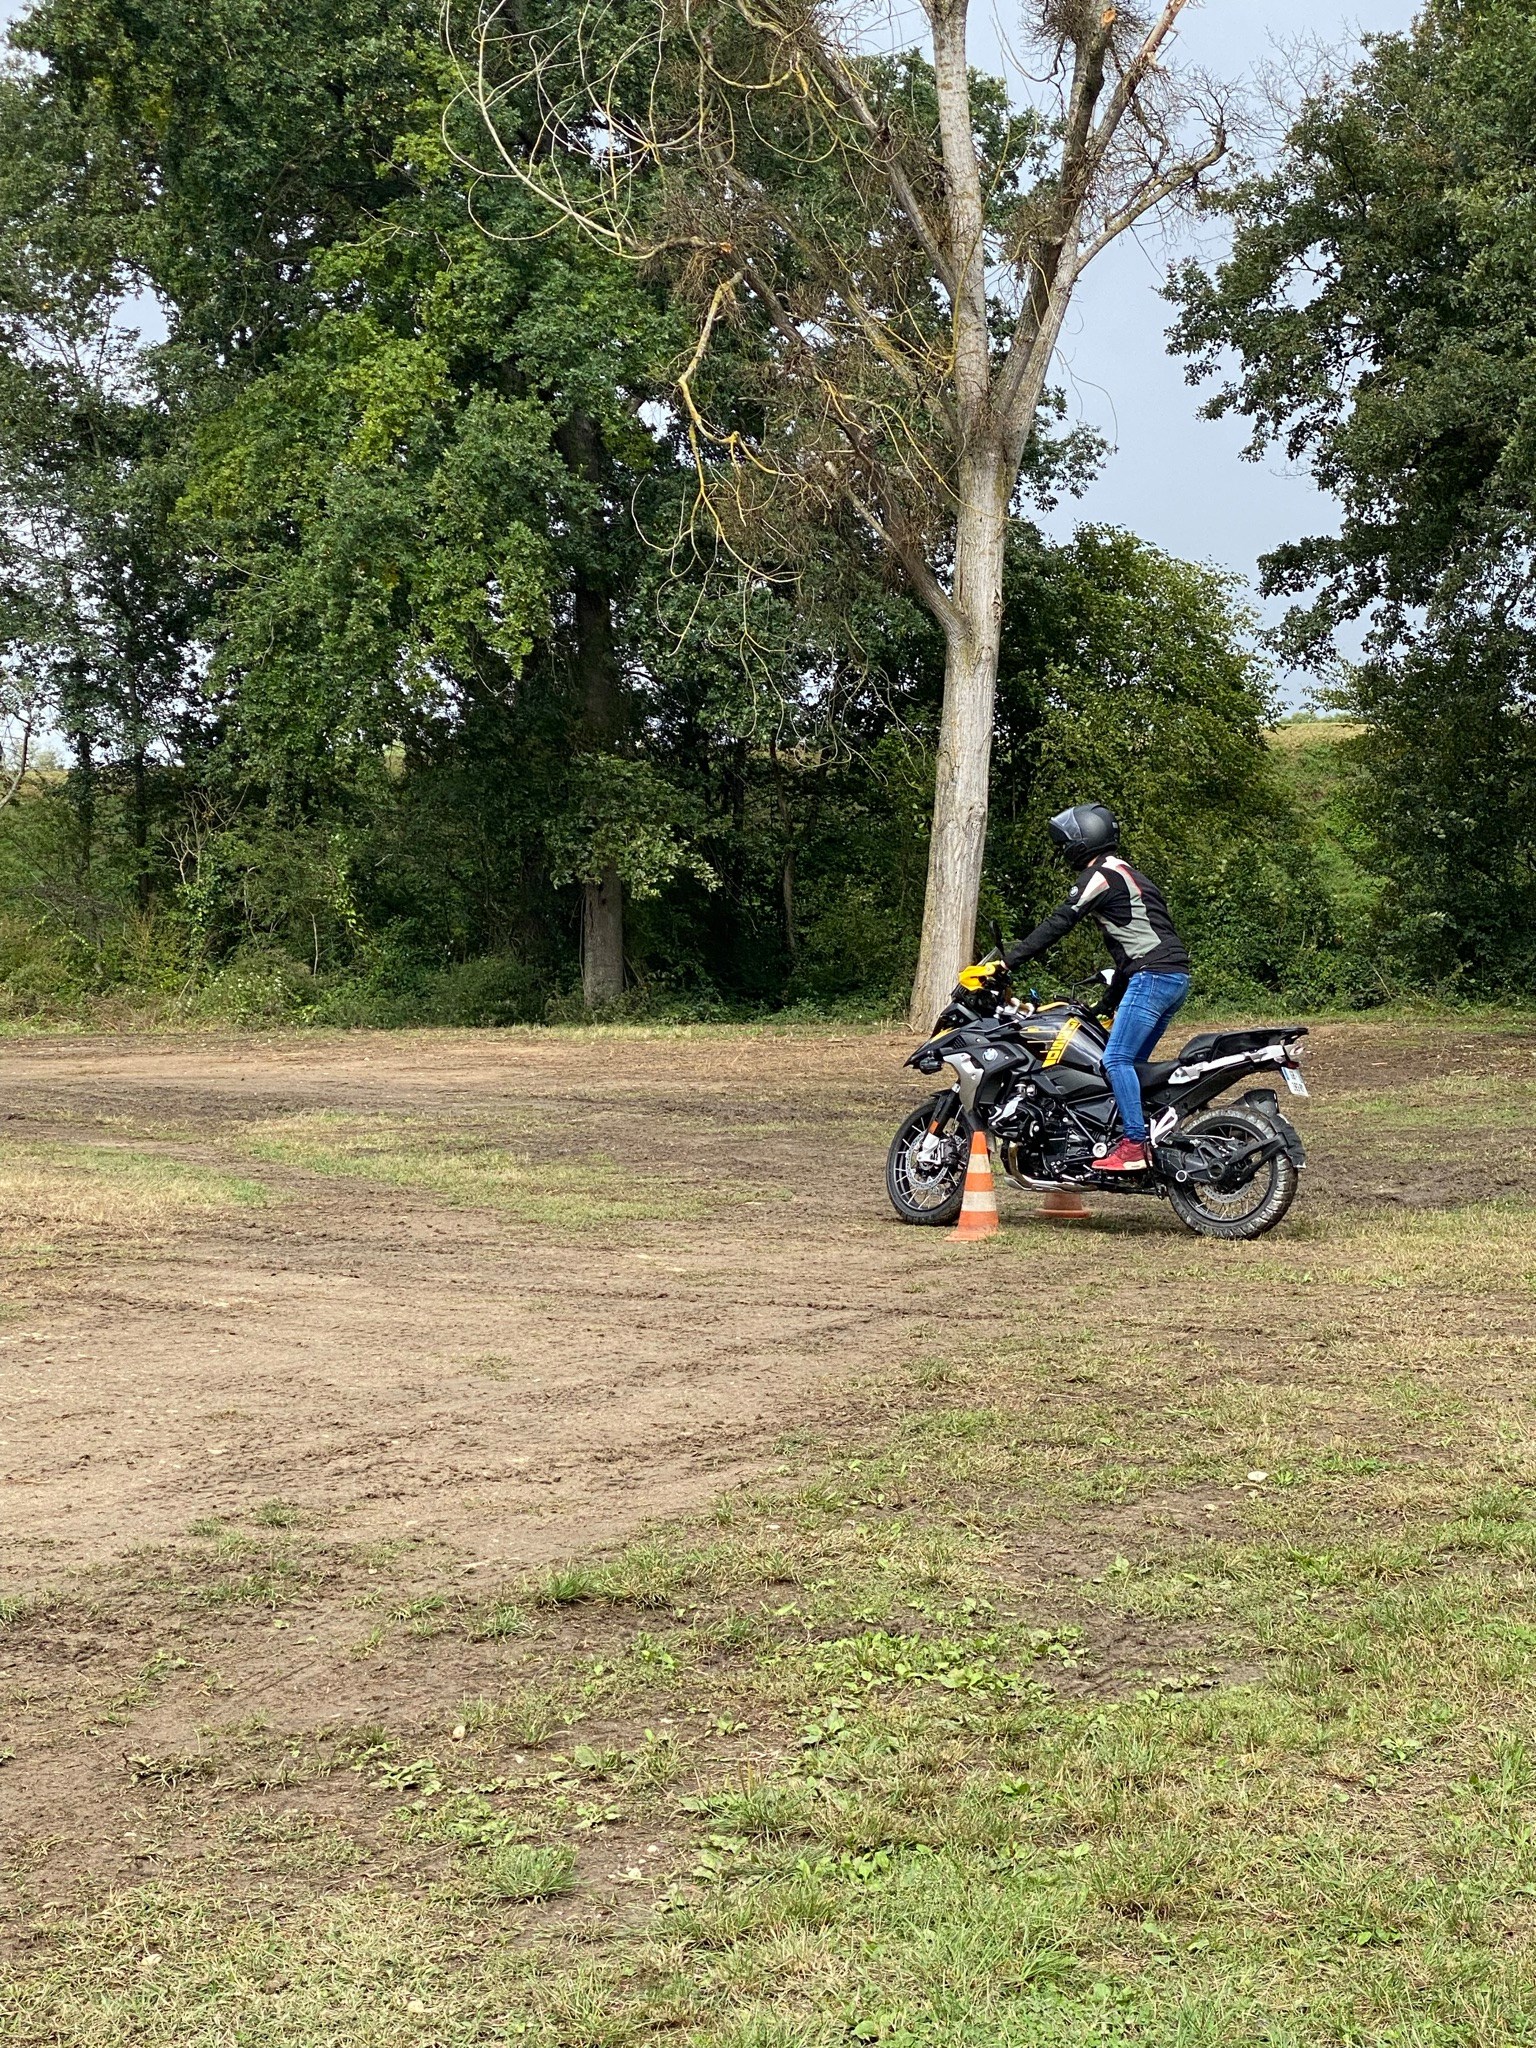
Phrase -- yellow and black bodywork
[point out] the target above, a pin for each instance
(1032, 1077)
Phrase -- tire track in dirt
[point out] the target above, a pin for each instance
(517, 1391)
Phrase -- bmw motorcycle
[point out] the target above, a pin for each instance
(1031, 1075)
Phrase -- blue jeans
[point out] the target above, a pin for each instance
(1144, 1010)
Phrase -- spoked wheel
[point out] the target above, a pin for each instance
(925, 1167)
(1241, 1212)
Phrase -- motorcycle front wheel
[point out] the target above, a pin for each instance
(1244, 1212)
(925, 1167)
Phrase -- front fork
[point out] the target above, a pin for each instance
(930, 1151)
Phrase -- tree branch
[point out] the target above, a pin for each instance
(1087, 85)
(1161, 188)
(885, 524)
(1130, 81)
(912, 561)
(842, 83)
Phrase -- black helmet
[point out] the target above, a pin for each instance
(1084, 832)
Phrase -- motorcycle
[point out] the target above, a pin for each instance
(1031, 1075)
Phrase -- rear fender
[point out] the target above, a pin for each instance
(1264, 1100)
(1203, 1089)
(1267, 1103)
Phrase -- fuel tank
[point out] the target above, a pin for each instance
(1060, 1036)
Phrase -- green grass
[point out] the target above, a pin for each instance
(569, 1194)
(1153, 1666)
(175, 1180)
(52, 1191)
(57, 1196)
(1445, 1103)
(521, 1871)
(1271, 1783)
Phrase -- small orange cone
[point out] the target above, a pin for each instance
(978, 1207)
(1064, 1205)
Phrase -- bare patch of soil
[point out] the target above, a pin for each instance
(513, 1390)
(440, 1394)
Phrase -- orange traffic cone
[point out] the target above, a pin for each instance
(1064, 1205)
(978, 1207)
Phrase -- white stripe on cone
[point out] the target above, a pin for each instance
(980, 1197)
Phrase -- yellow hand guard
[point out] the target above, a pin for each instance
(978, 975)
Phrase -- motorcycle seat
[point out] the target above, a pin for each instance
(1216, 1044)
(1153, 1073)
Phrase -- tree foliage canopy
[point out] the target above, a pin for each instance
(347, 595)
(1377, 317)
(1379, 308)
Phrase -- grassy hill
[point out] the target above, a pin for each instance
(1318, 762)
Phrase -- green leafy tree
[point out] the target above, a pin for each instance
(239, 140)
(96, 612)
(424, 518)
(1378, 311)
(154, 164)
(1134, 676)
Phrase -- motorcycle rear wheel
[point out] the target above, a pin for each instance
(924, 1194)
(1245, 1212)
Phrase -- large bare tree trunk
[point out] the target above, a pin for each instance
(602, 940)
(959, 839)
(602, 903)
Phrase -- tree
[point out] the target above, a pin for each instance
(1134, 674)
(1380, 304)
(1380, 301)
(419, 520)
(235, 143)
(95, 607)
(407, 456)
(880, 253)
(145, 151)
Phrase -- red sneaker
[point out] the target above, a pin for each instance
(1127, 1157)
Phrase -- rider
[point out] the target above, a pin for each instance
(1151, 977)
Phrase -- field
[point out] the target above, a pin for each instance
(503, 1539)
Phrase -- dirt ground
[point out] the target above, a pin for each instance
(516, 1389)
(697, 1262)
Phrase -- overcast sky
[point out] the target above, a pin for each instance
(1174, 478)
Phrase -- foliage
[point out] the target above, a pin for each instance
(625, 818)
(361, 628)
(1380, 303)
(1132, 674)
(1450, 775)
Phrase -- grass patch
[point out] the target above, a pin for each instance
(51, 1190)
(1481, 1248)
(873, 1793)
(522, 1871)
(1153, 1668)
(568, 1194)
(1446, 1102)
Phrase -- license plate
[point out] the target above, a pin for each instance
(1293, 1080)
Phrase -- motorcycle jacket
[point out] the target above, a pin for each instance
(1130, 912)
